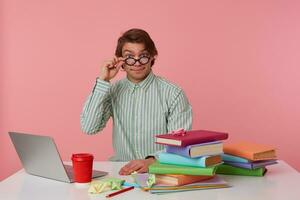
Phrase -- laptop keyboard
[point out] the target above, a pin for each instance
(96, 173)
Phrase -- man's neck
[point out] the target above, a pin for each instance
(136, 81)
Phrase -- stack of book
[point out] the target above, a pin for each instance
(189, 161)
(248, 159)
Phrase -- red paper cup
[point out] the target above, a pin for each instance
(82, 167)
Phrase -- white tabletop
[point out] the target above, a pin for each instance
(280, 182)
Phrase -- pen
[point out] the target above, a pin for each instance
(119, 192)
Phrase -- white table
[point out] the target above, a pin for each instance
(281, 182)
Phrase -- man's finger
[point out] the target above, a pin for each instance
(120, 63)
(143, 169)
(135, 168)
(121, 59)
(132, 168)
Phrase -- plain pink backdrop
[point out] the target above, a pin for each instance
(238, 62)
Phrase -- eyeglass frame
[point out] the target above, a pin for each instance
(137, 60)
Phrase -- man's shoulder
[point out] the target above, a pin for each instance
(118, 85)
(167, 85)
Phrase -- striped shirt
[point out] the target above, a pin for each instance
(139, 112)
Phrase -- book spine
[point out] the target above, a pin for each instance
(238, 153)
(156, 169)
(242, 165)
(184, 151)
(230, 170)
(232, 158)
(170, 158)
(192, 141)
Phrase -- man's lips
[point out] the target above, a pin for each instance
(137, 69)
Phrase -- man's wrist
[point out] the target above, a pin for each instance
(103, 79)
(150, 157)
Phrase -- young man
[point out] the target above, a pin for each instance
(142, 105)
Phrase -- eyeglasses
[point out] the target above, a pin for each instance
(142, 60)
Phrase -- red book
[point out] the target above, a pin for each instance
(190, 137)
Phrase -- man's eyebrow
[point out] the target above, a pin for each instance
(127, 51)
(143, 51)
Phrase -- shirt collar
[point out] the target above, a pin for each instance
(143, 84)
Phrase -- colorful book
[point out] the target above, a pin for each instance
(213, 183)
(197, 150)
(231, 170)
(252, 165)
(186, 189)
(190, 137)
(250, 151)
(174, 159)
(231, 158)
(178, 179)
(142, 181)
(159, 168)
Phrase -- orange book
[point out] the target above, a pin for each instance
(177, 179)
(250, 151)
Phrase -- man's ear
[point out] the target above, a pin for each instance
(153, 60)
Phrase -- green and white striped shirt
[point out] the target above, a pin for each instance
(139, 111)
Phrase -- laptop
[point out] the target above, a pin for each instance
(40, 157)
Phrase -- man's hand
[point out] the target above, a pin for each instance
(140, 166)
(110, 68)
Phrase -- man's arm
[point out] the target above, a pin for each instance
(180, 116)
(180, 113)
(97, 108)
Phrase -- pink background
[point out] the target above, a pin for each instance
(238, 62)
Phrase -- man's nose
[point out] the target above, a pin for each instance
(137, 63)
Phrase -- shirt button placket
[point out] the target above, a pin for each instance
(137, 121)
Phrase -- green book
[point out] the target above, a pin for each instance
(159, 168)
(231, 170)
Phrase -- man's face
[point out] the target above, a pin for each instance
(138, 71)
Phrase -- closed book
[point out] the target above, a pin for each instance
(250, 151)
(252, 165)
(159, 168)
(197, 150)
(232, 158)
(213, 183)
(186, 188)
(190, 137)
(178, 179)
(231, 170)
(174, 159)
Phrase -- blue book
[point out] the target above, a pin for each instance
(174, 159)
(231, 158)
(197, 150)
(252, 165)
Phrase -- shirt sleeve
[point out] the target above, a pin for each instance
(180, 113)
(97, 109)
(180, 116)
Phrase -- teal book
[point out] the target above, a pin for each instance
(232, 158)
(159, 168)
(231, 170)
(174, 159)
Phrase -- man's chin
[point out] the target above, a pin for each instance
(137, 77)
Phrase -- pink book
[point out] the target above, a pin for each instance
(184, 138)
